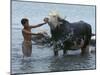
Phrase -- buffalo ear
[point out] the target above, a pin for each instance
(59, 19)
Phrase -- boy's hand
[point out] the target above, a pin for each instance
(46, 20)
(39, 33)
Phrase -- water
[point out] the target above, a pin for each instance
(42, 59)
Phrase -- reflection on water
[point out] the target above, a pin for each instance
(72, 62)
(43, 60)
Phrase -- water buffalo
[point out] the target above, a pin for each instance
(69, 36)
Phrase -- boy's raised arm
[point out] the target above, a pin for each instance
(34, 26)
(45, 21)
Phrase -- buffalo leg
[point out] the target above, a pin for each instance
(55, 53)
(87, 38)
(85, 50)
(55, 48)
(64, 51)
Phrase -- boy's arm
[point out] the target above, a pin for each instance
(28, 32)
(45, 21)
(35, 26)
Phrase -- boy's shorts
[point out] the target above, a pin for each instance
(27, 48)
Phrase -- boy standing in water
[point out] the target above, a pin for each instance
(27, 35)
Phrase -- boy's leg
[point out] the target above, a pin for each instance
(23, 48)
(27, 49)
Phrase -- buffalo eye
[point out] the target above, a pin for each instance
(53, 16)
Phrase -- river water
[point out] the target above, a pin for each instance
(42, 59)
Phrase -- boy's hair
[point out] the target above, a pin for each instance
(24, 20)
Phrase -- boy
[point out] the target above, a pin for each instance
(26, 32)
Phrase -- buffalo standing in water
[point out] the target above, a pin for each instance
(69, 36)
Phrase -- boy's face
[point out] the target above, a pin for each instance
(26, 24)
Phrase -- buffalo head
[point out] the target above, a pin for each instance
(54, 20)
